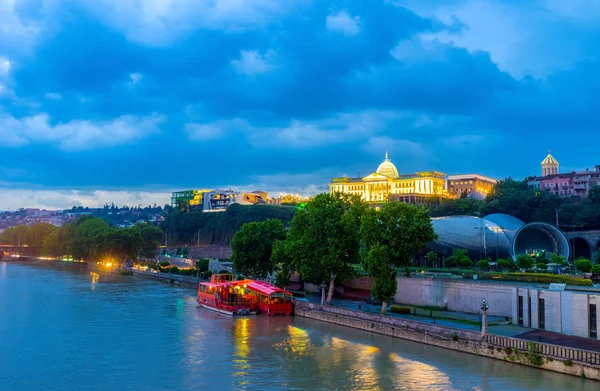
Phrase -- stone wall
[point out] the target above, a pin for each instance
(458, 340)
(458, 295)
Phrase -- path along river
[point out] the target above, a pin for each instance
(65, 328)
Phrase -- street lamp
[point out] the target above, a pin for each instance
(484, 308)
(198, 237)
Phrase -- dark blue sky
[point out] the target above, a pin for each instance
(125, 101)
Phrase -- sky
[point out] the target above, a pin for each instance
(125, 101)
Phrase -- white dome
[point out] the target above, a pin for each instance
(387, 168)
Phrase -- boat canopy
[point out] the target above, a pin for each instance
(265, 289)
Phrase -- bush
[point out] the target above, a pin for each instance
(174, 270)
(596, 270)
(524, 261)
(483, 265)
(207, 274)
(583, 265)
(397, 309)
(450, 263)
(539, 278)
(541, 266)
(504, 264)
(125, 273)
(202, 264)
(164, 263)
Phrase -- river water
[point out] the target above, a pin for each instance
(65, 328)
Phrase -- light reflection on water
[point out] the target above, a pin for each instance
(58, 331)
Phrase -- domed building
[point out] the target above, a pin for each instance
(386, 184)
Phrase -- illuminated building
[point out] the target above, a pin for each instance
(190, 197)
(472, 185)
(386, 184)
(217, 200)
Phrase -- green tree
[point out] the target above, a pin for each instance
(483, 265)
(36, 235)
(459, 257)
(524, 261)
(185, 252)
(594, 195)
(326, 237)
(283, 259)
(202, 265)
(541, 266)
(84, 239)
(390, 238)
(55, 244)
(152, 237)
(583, 265)
(252, 247)
(596, 270)
(558, 259)
(15, 235)
(505, 264)
(432, 258)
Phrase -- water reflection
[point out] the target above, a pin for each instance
(95, 279)
(150, 336)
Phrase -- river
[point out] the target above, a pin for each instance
(63, 327)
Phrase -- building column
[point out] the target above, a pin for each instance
(535, 318)
(526, 309)
(515, 306)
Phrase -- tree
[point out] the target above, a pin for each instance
(483, 265)
(541, 266)
(459, 257)
(596, 270)
(14, 235)
(36, 234)
(594, 195)
(505, 264)
(252, 247)
(524, 261)
(378, 266)
(390, 238)
(326, 238)
(283, 259)
(85, 233)
(432, 258)
(558, 259)
(597, 257)
(583, 265)
(152, 237)
(55, 244)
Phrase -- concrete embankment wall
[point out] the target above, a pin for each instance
(165, 277)
(501, 348)
(459, 295)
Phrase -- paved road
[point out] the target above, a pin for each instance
(561, 340)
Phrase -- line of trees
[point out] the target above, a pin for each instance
(328, 240)
(88, 238)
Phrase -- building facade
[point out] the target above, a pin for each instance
(217, 200)
(566, 184)
(472, 185)
(386, 184)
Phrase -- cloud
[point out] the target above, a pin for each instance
(53, 96)
(402, 149)
(76, 134)
(135, 78)
(13, 199)
(344, 23)
(252, 63)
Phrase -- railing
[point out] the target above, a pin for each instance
(560, 352)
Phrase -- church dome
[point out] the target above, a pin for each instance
(387, 168)
(549, 160)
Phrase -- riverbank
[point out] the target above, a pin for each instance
(189, 282)
(576, 362)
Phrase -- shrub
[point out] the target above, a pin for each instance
(583, 265)
(504, 264)
(596, 270)
(450, 263)
(466, 262)
(568, 363)
(541, 266)
(174, 270)
(164, 263)
(524, 261)
(125, 273)
(202, 264)
(397, 309)
(540, 278)
(483, 265)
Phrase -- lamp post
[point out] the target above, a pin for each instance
(484, 308)
(198, 238)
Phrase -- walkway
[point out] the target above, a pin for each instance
(561, 340)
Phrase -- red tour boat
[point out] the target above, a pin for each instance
(270, 299)
(223, 294)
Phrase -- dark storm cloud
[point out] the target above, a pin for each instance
(203, 94)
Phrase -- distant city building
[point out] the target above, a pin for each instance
(216, 200)
(386, 184)
(566, 184)
(286, 199)
(470, 185)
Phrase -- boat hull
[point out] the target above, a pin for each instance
(239, 312)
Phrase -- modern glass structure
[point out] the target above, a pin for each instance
(496, 236)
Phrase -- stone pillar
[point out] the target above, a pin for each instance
(535, 319)
(526, 309)
(515, 306)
